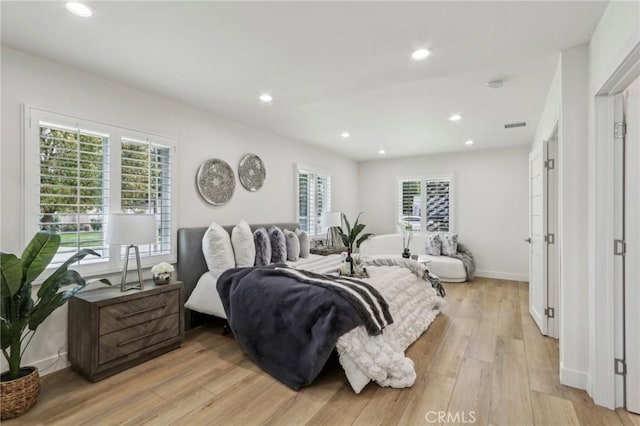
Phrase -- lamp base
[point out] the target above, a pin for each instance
(134, 286)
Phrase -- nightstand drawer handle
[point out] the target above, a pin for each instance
(142, 311)
(128, 342)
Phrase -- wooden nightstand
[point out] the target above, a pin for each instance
(110, 331)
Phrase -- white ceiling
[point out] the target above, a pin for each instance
(330, 66)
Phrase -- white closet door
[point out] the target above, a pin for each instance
(537, 255)
(632, 257)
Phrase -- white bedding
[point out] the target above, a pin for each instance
(205, 297)
(413, 304)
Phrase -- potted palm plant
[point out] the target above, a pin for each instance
(20, 315)
(351, 237)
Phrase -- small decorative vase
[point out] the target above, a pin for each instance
(20, 394)
(163, 278)
(406, 253)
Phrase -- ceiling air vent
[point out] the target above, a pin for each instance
(514, 125)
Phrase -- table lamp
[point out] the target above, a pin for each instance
(332, 220)
(131, 230)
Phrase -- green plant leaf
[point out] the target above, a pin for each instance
(11, 272)
(356, 230)
(362, 239)
(6, 334)
(38, 254)
(49, 288)
(81, 254)
(42, 311)
(346, 223)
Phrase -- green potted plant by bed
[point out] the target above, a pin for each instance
(20, 315)
(350, 236)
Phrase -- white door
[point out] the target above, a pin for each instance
(537, 255)
(632, 240)
(552, 245)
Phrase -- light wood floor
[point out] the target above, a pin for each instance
(484, 355)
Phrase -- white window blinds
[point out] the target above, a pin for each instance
(146, 188)
(437, 193)
(314, 198)
(80, 171)
(426, 203)
(73, 195)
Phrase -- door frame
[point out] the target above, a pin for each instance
(552, 251)
(602, 386)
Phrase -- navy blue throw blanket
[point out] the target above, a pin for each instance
(289, 324)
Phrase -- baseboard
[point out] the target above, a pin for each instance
(51, 364)
(502, 275)
(573, 378)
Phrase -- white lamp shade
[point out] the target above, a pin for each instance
(131, 229)
(331, 219)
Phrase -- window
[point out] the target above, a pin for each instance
(73, 202)
(146, 188)
(314, 198)
(83, 171)
(426, 203)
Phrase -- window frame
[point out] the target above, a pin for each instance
(32, 117)
(317, 171)
(423, 199)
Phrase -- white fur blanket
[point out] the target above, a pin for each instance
(414, 304)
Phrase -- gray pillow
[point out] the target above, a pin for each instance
(305, 243)
(293, 245)
(433, 245)
(278, 245)
(263, 247)
(449, 244)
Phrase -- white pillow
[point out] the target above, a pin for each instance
(449, 244)
(205, 297)
(217, 250)
(244, 249)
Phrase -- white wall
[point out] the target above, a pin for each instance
(572, 159)
(551, 113)
(616, 35)
(491, 199)
(567, 105)
(34, 81)
(582, 71)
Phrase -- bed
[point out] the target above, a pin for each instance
(405, 285)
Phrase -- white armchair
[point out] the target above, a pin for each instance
(449, 269)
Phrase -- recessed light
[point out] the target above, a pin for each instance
(79, 9)
(455, 117)
(420, 54)
(469, 142)
(345, 135)
(265, 97)
(382, 152)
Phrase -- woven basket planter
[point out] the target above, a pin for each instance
(18, 395)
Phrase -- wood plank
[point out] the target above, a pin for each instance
(432, 394)
(472, 394)
(510, 400)
(509, 320)
(627, 418)
(450, 353)
(589, 414)
(551, 410)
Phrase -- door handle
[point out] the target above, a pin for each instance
(528, 240)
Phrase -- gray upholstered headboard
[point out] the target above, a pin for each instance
(191, 263)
